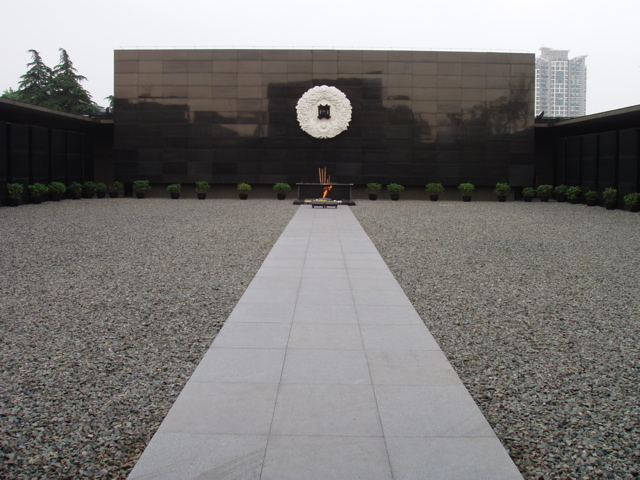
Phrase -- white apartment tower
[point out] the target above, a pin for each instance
(561, 84)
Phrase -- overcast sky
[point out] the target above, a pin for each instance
(606, 31)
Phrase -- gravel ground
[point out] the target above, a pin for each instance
(106, 308)
(537, 306)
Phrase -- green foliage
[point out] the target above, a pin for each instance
(141, 186)
(374, 188)
(591, 195)
(11, 94)
(37, 190)
(111, 100)
(281, 187)
(15, 190)
(57, 188)
(573, 193)
(544, 190)
(561, 190)
(501, 189)
(529, 192)
(89, 187)
(434, 188)
(101, 187)
(116, 187)
(68, 94)
(202, 187)
(395, 189)
(466, 189)
(36, 84)
(174, 188)
(632, 199)
(75, 187)
(244, 187)
(58, 88)
(609, 195)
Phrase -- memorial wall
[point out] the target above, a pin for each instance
(255, 116)
(35, 153)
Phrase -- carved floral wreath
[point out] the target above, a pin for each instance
(324, 112)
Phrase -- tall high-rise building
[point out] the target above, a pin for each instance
(561, 84)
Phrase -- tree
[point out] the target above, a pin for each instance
(35, 85)
(58, 89)
(11, 94)
(111, 99)
(68, 94)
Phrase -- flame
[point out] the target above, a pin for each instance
(326, 191)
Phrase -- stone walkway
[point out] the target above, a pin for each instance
(324, 370)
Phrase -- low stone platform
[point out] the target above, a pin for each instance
(324, 370)
(324, 204)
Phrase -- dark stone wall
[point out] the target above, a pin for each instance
(592, 160)
(30, 154)
(628, 161)
(228, 116)
(3, 164)
(589, 161)
(608, 159)
(18, 158)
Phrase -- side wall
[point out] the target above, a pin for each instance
(30, 154)
(595, 160)
(229, 116)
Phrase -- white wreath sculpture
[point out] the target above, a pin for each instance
(324, 112)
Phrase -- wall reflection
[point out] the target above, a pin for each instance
(412, 121)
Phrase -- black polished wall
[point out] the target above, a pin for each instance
(4, 165)
(229, 116)
(31, 153)
(596, 161)
(628, 164)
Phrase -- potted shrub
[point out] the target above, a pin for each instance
(37, 191)
(395, 190)
(114, 188)
(561, 193)
(75, 189)
(434, 190)
(573, 194)
(373, 189)
(201, 189)
(15, 193)
(501, 191)
(174, 190)
(544, 192)
(243, 190)
(528, 193)
(610, 197)
(89, 189)
(141, 187)
(101, 190)
(467, 191)
(591, 196)
(281, 190)
(633, 202)
(56, 191)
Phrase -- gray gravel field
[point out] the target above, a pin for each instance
(537, 306)
(106, 308)
(108, 305)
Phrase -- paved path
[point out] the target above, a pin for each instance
(324, 370)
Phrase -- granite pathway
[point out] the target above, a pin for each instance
(324, 370)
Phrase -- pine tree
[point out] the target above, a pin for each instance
(68, 94)
(12, 94)
(58, 89)
(35, 85)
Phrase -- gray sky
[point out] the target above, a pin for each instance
(90, 31)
